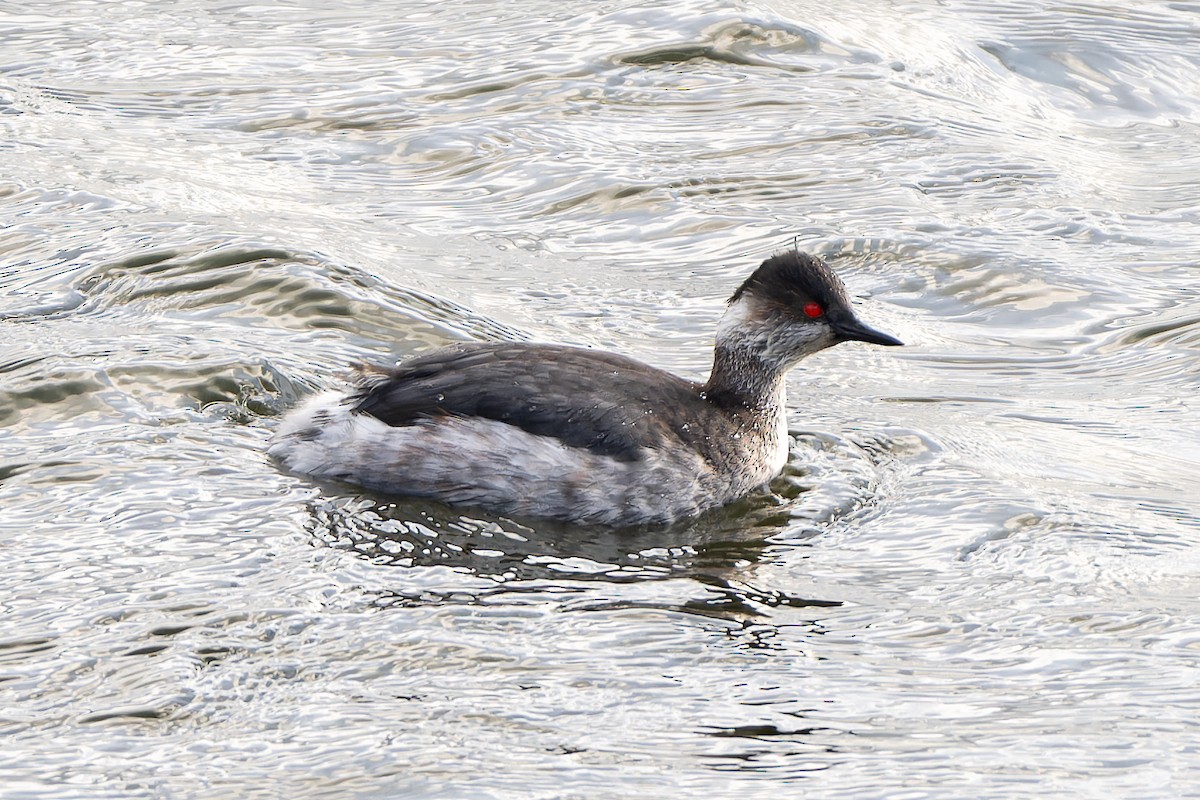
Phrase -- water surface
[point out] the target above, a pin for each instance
(976, 578)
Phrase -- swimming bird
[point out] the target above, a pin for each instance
(582, 435)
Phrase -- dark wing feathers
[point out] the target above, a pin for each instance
(599, 401)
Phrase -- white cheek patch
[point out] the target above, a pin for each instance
(753, 326)
(790, 343)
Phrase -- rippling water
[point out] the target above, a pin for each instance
(978, 576)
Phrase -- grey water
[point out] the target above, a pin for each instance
(978, 577)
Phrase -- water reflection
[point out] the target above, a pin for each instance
(717, 553)
(412, 533)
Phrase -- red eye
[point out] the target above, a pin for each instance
(813, 310)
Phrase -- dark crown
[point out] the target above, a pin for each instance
(793, 278)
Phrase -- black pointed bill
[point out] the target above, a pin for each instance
(851, 330)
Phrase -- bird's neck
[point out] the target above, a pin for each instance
(748, 369)
(742, 379)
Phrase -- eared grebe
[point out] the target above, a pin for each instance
(580, 435)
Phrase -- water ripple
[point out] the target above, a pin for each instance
(975, 575)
